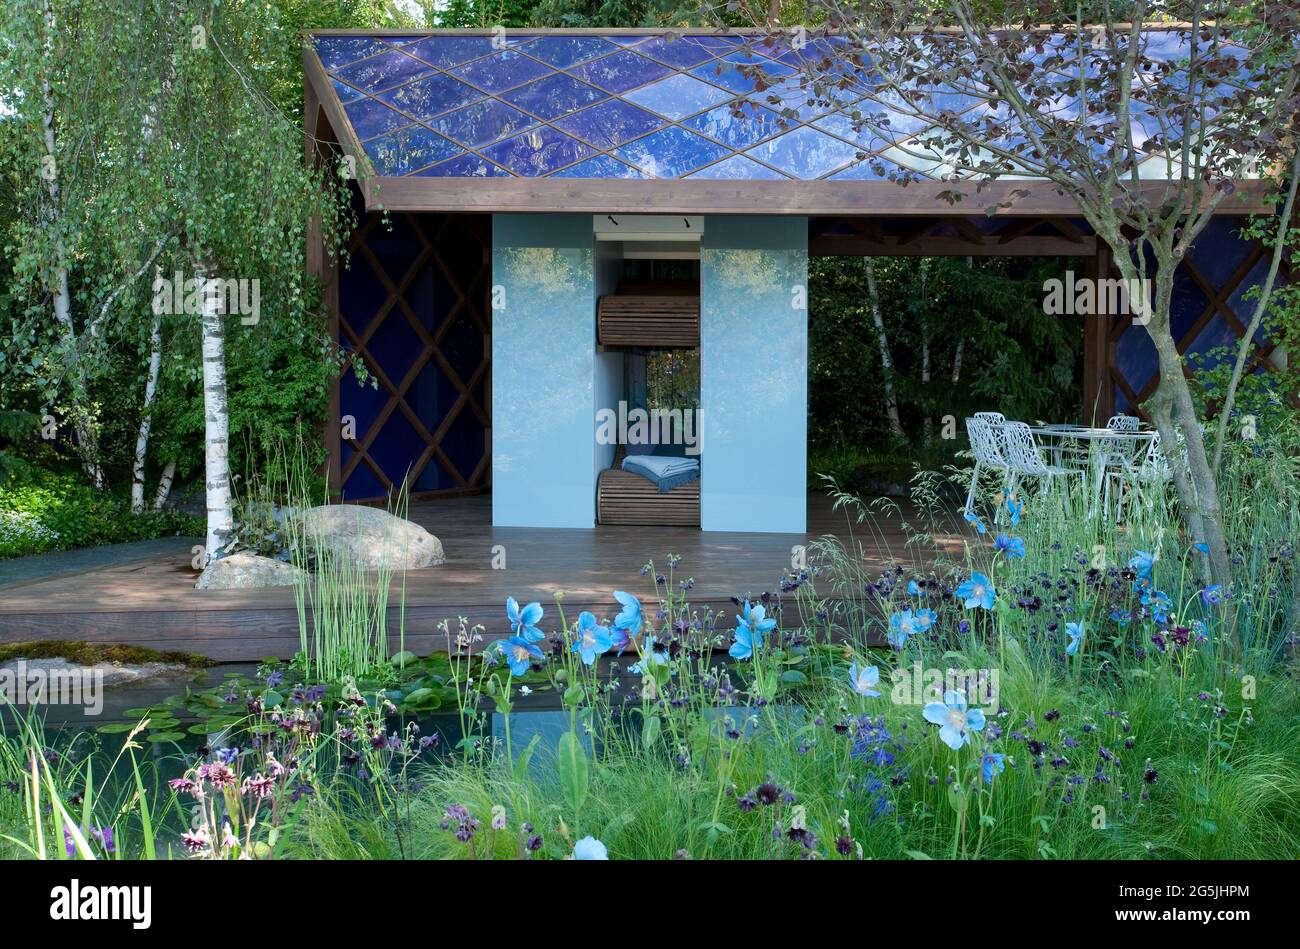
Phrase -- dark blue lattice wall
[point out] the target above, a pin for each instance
(1210, 310)
(413, 309)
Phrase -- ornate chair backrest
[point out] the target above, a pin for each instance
(986, 442)
(1122, 451)
(1154, 464)
(1022, 449)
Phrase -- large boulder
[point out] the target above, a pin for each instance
(247, 572)
(368, 536)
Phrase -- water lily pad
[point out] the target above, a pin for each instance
(161, 737)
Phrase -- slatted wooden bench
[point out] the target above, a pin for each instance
(659, 321)
(628, 499)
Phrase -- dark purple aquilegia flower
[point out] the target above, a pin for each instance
(458, 818)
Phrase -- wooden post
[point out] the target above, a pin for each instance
(316, 125)
(1098, 350)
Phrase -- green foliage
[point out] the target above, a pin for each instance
(59, 512)
(223, 187)
(1196, 745)
(1013, 357)
(16, 432)
(615, 13)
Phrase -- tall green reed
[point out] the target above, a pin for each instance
(343, 606)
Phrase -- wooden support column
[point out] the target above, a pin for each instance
(1098, 349)
(323, 268)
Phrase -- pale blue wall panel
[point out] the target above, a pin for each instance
(543, 368)
(754, 373)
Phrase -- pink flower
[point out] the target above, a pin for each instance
(217, 774)
(258, 786)
(196, 841)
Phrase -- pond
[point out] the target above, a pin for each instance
(535, 713)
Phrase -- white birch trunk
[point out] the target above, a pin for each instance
(925, 343)
(58, 279)
(925, 323)
(164, 486)
(961, 341)
(216, 416)
(146, 415)
(873, 298)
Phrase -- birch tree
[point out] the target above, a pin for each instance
(146, 138)
(85, 234)
(216, 416)
(239, 190)
(882, 338)
(146, 415)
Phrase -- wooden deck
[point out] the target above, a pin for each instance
(151, 601)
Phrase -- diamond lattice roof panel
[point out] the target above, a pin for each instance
(623, 106)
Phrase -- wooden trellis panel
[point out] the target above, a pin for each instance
(413, 311)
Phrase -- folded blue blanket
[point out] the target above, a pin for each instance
(667, 473)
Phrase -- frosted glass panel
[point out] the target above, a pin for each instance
(543, 366)
(754, 374)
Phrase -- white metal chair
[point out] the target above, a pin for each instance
(987, 446)
(1025, 457)
(1119, 453)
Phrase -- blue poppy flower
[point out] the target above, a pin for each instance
(1202, 548)
(913, 589)
(1012, 546)
(1075, 632)
(1123, 617)
(992, 765)
(523, 623)
(924, 619)
(978, 524)
(743, 647)
(1213, 594)
(593, 638)
(519, 654)
(1157, 601)
(751, 626)
(864, 680)
(901, 627)
(630, 619)
(954, 718)
(589, 848)
(1014, 507)
(977, 591)
(649, 657)
(1142, 563)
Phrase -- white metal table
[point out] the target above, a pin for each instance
(1096, 446)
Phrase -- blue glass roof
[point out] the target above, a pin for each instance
(697, 106)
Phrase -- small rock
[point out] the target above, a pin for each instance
(370, 537)
(247, 572)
